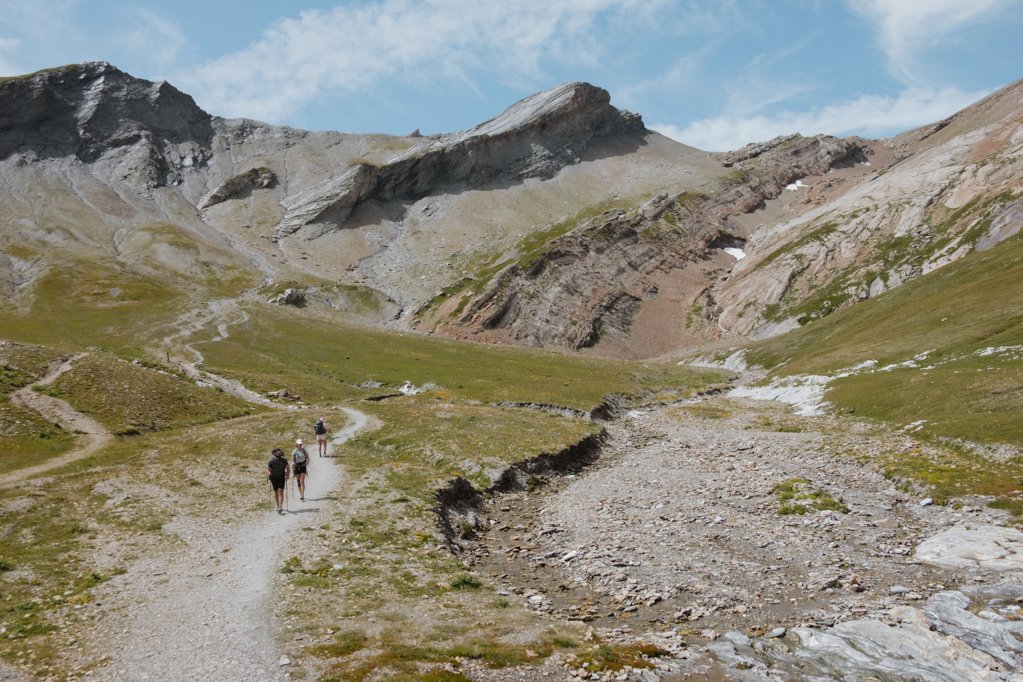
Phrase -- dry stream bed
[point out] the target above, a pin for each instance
(679, 536)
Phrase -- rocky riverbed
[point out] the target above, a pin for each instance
(677, 536)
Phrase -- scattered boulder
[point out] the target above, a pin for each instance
(254, 178)
(295, 297)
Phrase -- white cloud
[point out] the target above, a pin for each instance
(33, 34)
(906, 27)
(353, 48)
(869, 116)
(154, 36)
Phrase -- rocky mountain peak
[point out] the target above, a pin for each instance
(534, 138)
(587, 105)
(88, 110)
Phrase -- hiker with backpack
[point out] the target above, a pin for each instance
(277, 472)
(300, 461)
(320, 429)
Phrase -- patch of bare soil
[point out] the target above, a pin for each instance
(93, 435)
(675, 535)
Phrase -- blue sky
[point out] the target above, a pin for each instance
(713, 74)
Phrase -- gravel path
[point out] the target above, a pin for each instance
(205, 613)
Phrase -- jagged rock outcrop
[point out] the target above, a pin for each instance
(150, 133)
(532, 139)
(254, 178)
(589, 285)
(295, 297)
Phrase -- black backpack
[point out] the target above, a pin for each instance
(278, 467)
(319, 428)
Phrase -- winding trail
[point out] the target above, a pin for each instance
(223, 312)
(205, 613)
(94, 436)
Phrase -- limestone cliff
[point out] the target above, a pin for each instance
(534, 138)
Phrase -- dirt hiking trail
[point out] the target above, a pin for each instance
(205, 612)
(93, 435)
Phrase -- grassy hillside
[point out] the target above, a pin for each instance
(129, 398)
(89, 304)
(947, 352)
(968, 316)
(321, 361)
(26, 438)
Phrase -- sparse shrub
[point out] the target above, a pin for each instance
(292, 565)
(466, 581)
(795, 497)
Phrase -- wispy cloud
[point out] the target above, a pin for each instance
(354, 48)
(30, 28)
(907, 27)
(156, 36)
(868, 116)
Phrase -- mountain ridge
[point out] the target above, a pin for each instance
(560, 222)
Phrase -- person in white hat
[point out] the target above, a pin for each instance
(300, 466)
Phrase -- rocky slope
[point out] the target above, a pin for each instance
(928, 198)
(561, 222)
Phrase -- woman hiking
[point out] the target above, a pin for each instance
(277, 472)
(300, 458)
(320, 429)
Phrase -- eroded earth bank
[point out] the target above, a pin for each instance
(744, 542)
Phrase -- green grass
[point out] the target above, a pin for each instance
(796, 496)
(954, 472)
(330, 362)
(87, 304)
(130, 399)
(26, 439)
(607, 657)
(972, 304)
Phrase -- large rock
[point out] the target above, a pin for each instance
(987, 548)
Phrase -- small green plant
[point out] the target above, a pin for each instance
(5, 565)
(465, 581)
(607, 658)
(795, 496)
(344, 644)
(292, 565)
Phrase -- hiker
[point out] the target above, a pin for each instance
(277, 472)
(300, 460)
(320, 429)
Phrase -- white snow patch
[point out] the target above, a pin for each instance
(997, 350)
(912, 363)
(865, 163)
(735, 362)
(915, 426)
(737, 254)
(805, 393)
(798, 184)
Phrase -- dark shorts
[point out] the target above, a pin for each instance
(277, 482)
(299, 468)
